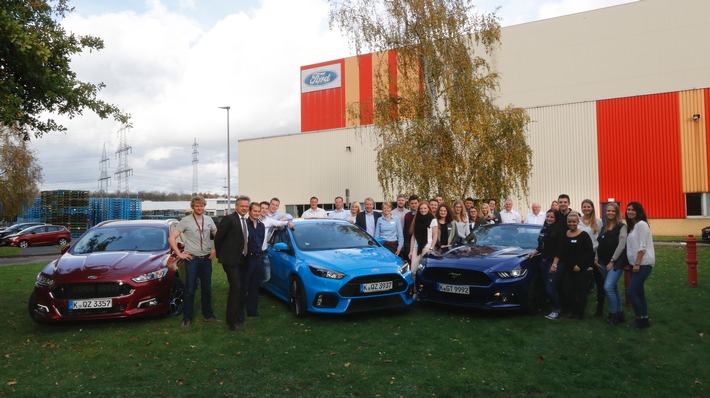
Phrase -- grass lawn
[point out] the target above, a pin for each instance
(424, 351)
(9, 251)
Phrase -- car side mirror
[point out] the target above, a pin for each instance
(281, 247)
(471, 238)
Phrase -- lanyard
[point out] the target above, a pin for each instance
(202, 228)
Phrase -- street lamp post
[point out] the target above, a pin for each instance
(229, 164)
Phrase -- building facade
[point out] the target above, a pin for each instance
(619, 100)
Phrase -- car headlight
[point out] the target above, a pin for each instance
(150, 276)
(404, 268)
(515, 273)
(325, 272)
(43, 280)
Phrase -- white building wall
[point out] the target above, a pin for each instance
(646, 47)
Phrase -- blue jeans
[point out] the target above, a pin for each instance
(198, 268)
(636, 292)
(611, 288)
(551, 286)
(265, 267)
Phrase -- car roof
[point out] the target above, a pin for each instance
(137, 223)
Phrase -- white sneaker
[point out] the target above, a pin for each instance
(553, 315)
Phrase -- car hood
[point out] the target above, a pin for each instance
(106, 265)
(480, 257)
(348, 260)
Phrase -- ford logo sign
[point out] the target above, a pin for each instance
(375, 270)
(92, 277)
(320, 78)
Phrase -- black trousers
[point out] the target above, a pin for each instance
(580, 291)
(234, 278)
(251, 279)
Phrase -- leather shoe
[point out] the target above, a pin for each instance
(185, 324)
(212, 319)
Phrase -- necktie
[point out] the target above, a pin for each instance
(246, 238)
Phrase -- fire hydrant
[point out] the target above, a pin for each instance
(692, 261)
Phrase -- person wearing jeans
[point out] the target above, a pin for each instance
(611, 260)
(641, 255)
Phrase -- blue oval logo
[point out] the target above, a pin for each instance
(320, 78)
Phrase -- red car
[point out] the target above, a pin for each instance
(117, 269)
(40, 235)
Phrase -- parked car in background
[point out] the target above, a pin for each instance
(117, 269)
(490, 272)
(39, 235)
(333, 266)
(13, 229)
(706, 233)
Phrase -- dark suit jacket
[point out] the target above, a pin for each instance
(229, 241)
(360, 219)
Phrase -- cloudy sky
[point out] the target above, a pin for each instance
(172, 63)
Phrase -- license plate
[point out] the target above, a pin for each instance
(376, 287)
(90, 304)
(456, 289)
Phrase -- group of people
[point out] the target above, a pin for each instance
(239, 243)
(575, 248)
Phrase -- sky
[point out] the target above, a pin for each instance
(172, 63)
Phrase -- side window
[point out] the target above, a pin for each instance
(281, 236)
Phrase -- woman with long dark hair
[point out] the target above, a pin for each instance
(642, 257)
(611, 260)
(474, 219)
(424, 230)
(447, 228)
(548, 246)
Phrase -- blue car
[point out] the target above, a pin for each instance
(334, 267)
(491, 271)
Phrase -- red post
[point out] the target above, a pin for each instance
(692, 260)
(627, 279)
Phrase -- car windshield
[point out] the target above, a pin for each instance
(330, 236)
(132, 238)
(515, 235)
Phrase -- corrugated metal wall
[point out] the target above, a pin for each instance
(564, 147)
(323, 109)
(693, 141)
(296, 167)
(639, 153)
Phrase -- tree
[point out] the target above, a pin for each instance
(20, 174)
(35, 77)
(441, 131)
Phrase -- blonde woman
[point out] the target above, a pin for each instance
(486, 216)
(460, 220)
(591, 224)
(354, 209)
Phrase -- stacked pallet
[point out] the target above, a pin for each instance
(102, 209)
(66, 207)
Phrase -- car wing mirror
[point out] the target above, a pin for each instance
(471, 238)
(281, 247)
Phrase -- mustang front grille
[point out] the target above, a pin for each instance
(457, 276)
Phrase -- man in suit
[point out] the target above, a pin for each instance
(231, 245)
(368, 219)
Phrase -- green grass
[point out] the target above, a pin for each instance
(424, 351)
(9, 251)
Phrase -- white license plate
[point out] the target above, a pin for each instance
(90, 304)
(376, 287)
(456, 289)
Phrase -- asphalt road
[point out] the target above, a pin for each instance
(33, 255)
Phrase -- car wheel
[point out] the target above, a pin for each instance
(62, 241)
(536, 297)
(31, 305)
(24, 244)
(297, 297)
(177, 297)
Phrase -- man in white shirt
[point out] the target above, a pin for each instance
(274, 212)
(339, 213)
(535, 216)
(508, 215)
(314, 211)
(269, 225)
(401, 210)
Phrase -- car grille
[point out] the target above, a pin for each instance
(375, 303)
(457, 276)
(93, 311)
(352, 288)
(77, 291)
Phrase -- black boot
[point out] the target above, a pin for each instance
(612, 319)
(620, 317)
